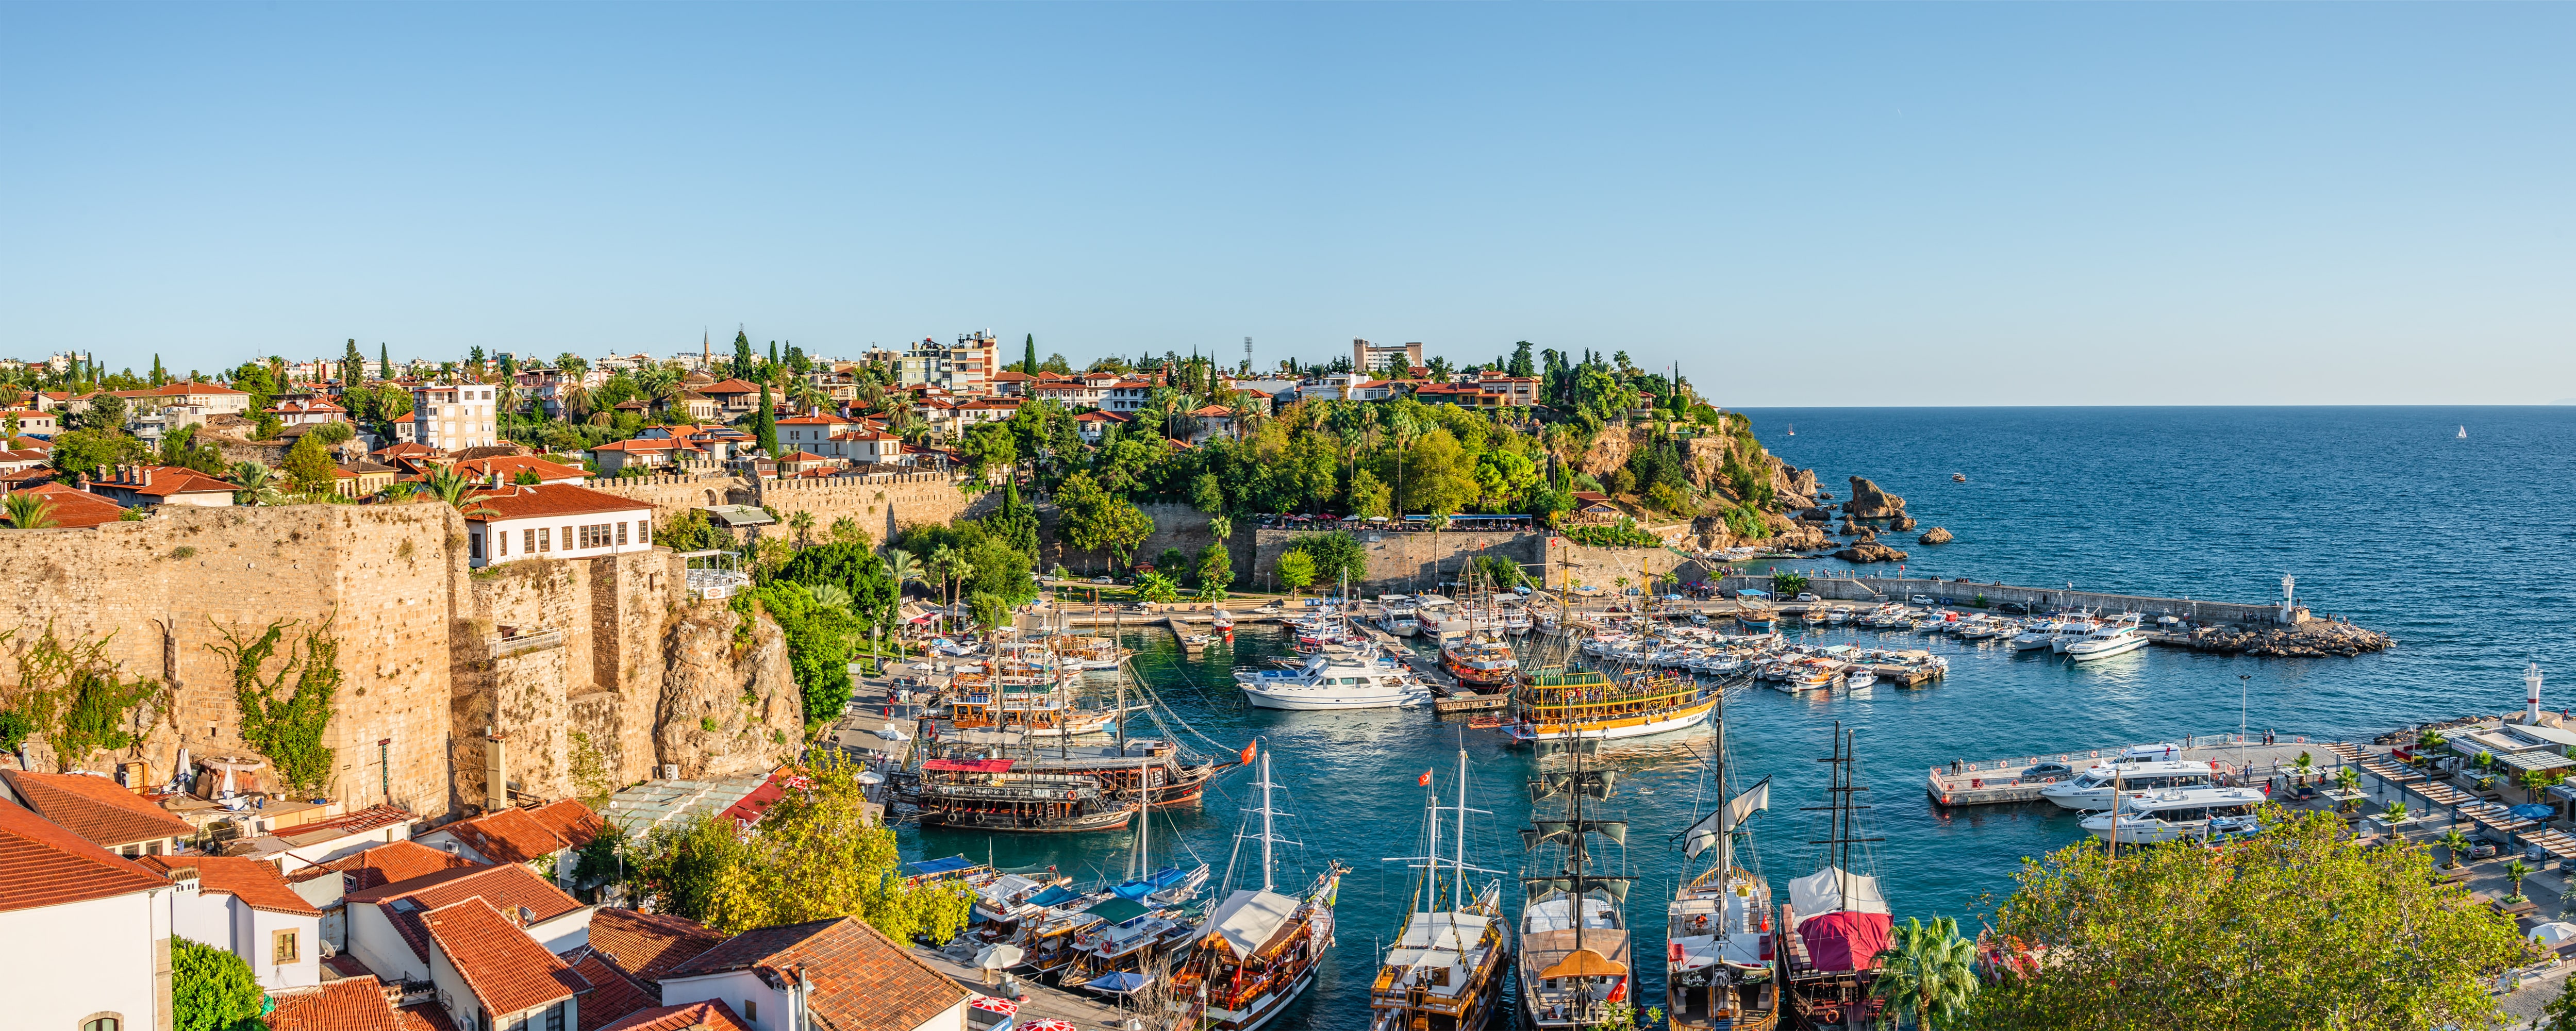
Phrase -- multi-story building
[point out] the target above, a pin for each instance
(512, 523)
(966, 367)
(1369, 358)
(454, 416)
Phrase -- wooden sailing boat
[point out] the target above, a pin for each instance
(1574, 939)
(1557, 701)
(1839, 918)
(1445, 972)
(1259, 949)
(1718, 940)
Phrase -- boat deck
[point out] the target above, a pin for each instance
(1999, 781)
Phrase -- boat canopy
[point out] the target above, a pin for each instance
(1055, 895)
(1121, 983)
(1821, 892)
(969, 765)
(1846, 940)
(1150, 883)
(1118, 911)
(933, 867)
(1249, 919)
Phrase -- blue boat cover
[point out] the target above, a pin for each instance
(1121, 983)
(1158, 880)
(928, 867)
(1055, 895)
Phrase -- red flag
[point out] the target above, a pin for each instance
(1248, 750)
(1426, 779)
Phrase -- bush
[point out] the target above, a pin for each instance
(213, 990)
(1623, 534)
(1664, 497)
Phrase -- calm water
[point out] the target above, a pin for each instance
(2457, 547)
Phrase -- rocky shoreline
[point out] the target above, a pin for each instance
(2315, 639)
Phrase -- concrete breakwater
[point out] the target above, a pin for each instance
(2226, 627)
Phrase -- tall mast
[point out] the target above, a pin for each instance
(1574, 900)
(1458, 895)
(1266, 835)
(1431, 855)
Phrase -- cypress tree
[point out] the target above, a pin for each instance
(384, 362)
(1029, 356)
(765, 423)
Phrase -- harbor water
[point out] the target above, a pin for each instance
(2456, 546)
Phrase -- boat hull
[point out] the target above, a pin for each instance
(1612, 730)
(1108, 821)
(1302, 700)
(2092, 654)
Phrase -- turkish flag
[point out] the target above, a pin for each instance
(1248, 750)
(1426, 779)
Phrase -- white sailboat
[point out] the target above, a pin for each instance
(1260, 949)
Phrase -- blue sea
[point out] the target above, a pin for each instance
(2459, 547)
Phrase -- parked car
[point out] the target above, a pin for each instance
(1102, 580)
(2013, 608)
(1806, 597)
(2482, 849)
(1920, 599)
(2045, 770)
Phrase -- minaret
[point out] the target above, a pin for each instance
(706, 348)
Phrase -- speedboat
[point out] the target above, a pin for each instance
(2175, 814)
(2118, 638)
(1335, 680)
(2090, 791)
(1858, 679)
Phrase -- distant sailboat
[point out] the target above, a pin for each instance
(2464, 433)
(1793, 429)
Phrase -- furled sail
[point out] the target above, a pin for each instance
(1568, 831)
(1726, 819)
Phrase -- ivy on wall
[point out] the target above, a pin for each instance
(70, 694)
(287, 730)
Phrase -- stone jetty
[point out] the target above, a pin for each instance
(2315, 638)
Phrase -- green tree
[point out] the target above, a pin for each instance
(1337, 555)
(1096, 520)
(1029, 354)
(1296, 570)
(764, 424)
(801, 523)
(850, 566)
(989, 446)
(1438, 477)
(26, 511)
(2560, 1015)
(989, 609)
(1215, 568)
(1929, 969)
(1520, 365)
(1157, 588)
(212, 990)
(256, 483)
(1369, 496)
(821, 639)
(309, 467)
(91, 452)
(384, 362)
(1788, 585)
(2456, 845)
(2515, 870)
(2300, 927)
(180, 449)
(104, 411)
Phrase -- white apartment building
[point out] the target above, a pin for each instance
(968, 367)
(454, 416)
(509, 524)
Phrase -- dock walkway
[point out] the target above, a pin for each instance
(1999, 781)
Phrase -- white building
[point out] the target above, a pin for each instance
(967, 367)
(860, 978)
(553, 521)
(84, 935)
(386, 933)
(546, 839)
(242, 905)
(491, 977)
(454, 416)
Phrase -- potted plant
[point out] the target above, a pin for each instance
(2350, 780)
(2306, 767)
(2457, 844)
(2515, 869)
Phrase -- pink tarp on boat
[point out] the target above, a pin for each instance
(1845, 940)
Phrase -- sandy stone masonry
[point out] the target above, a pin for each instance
(427, 662)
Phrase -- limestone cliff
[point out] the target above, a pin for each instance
(729, 704)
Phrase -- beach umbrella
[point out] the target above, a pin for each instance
(1119, 983)
(2554, 934)
(997, 957)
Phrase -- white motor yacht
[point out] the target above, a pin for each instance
(2177, 814)
(2090, 791)
(2117, 638)
(1396, 615)
(2070, 631)
(1335, 680)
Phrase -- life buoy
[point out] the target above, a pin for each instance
(2048, 780)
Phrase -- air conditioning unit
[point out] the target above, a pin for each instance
(671, 771)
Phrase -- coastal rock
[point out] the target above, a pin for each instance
(729, 705)
(2312, 639)
(1935, 535)
(1869, 502)
(1869, 551)
(1800, 537)
(1902, 523)
(1816, 514)
(1802, 481)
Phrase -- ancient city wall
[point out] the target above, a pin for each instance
(386, 578)
(673, 493)
(884, 504)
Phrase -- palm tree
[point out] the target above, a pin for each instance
(30, 511)
(802, 522)
(573, 400)
(831, 596)
(2350, 779)
(901, 565)
(456, 489)
(2515, 870)
(1220, 526)
(256, 485)
(2458, 844)
(2305, 761)
(1929, 969)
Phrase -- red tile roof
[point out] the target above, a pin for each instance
(385, 864)
(802, 456)
(161, 481)
(425, 1016)
(552, 499)
(812, 420)
(348, 1004)
(612, 994)
(572, 821)
(508, 888)
(74, 508)
(182, 390)
(712, 1015)
(648, 945)
(510, 467)
(95, 808)
(731, 386)
(256, 883)
(42, 863)
(862, 979)
(505, 969)
(509, 836)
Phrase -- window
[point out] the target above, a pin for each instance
(596, 536)
(501, 540)
(282, 947)
(527, 542)
(621, 534)
(474, 545)
(102, 1024)
(751, 1009)
(567, 538)
(643, 529)
(555, 1018)
(546, 538)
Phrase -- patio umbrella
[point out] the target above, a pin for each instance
(998, 957)
(1048, 1025)
(1119, 983)
(2554, 934)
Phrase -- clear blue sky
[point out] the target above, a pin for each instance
(1820, 204)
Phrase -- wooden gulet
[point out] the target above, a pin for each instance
(1259, 949)
(1574, 939)
(1445, 972)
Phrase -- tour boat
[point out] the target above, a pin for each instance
(987, 700)
(1478, 660)
(1756, 618)
(2119, 638)
(1446, 967)
(1718, 943)
(1395, 615)
(2073, 630)
(1335, 680)
(1858, 679)
(1561, 704)
(1574, 941)
(1171, 777)
(2091, 790)
(989, 795)
(2174, 814)
(1437, 615)
(1259, 949)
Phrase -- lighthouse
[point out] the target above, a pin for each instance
(2531, 695)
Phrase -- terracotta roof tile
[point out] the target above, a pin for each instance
(572, 821)
(509, 836)
(43, 863)
(76, 508)
(168, 480)
(508, 888)
(95, 808)
(551, 499)
(424, 1016)
(731, 386)
(712, 1015)
(348, 1004)
(504, 968)
(386, 864)
(648, 945)
(612, 994)
(256, 883)
(862, 979)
